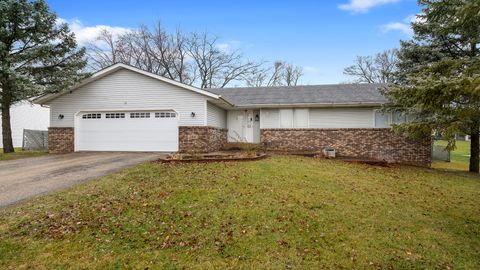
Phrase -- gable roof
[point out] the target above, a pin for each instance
(113, 68)
(315, 95)
(276, 96)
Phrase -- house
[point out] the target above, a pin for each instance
(122, 108)
(25, 115)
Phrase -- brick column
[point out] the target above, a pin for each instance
(60, 140)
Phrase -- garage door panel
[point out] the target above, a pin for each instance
(127, 134)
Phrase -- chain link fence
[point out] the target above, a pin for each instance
(439, 153)
(35, 139)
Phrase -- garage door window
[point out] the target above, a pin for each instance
(140, 115)
(165, 115)
(114, 115)
(92, 116)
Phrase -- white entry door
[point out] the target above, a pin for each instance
(142, 131)
(244, 126)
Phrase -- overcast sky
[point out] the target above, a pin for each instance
(322, 36)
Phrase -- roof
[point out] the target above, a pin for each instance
(307, 95)
(111, 69)
(277, 96)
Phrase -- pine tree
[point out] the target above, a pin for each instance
(38, 55)
(439, 74)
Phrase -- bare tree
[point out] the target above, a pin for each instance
(104, 51)
(216, 67)
(379, 68)
(280, 74)
(170, 51)
(258, 77)
(292, 74)
(194, 59)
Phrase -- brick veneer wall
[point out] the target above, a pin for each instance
(191, 139)
(372, 143)
(201, 139)
(60, 140)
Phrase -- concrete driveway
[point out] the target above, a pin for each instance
(24, 178)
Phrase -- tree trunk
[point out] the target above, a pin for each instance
(6, 129)
(475, 150)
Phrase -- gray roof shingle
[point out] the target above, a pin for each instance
(307, 94)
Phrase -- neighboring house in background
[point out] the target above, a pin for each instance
(25, 115)
(459, 137)
(122, 108)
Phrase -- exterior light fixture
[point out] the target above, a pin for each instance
(60, 116)
(257, 118)
(192, 114)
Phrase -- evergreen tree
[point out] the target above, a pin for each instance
(37, 56)
(439, 74)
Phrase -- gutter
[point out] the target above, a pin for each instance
(226, 101)
(310, 105)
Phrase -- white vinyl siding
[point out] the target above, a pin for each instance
(24, 115)
(128, 90)
(341, 118)
(269, 118)
(216, 116)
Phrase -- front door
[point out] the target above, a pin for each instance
(244, 126)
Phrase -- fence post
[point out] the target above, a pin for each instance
(23, 139)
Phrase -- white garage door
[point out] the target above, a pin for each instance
(126, 131)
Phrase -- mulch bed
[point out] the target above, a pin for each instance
(208, 158)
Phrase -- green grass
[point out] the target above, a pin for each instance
(281, 212)
(459, 158)
(19, 153)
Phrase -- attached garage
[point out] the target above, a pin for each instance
(126, 131)
(123, 108)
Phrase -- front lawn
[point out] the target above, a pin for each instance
(19, 153)
(459, 158)
(281, 212)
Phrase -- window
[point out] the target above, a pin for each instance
(115, 115)
(92, 116)
(382, 119)
(286, 118)
(269, 118)
(398, 118)
(385, 120)
(293, 118)
(165, 115)
(140, 115)
(300, 118)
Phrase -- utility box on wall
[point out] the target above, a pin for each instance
(329, 152)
